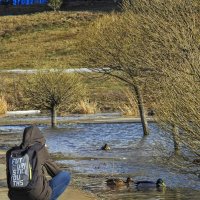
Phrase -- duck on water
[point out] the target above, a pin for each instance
(148, 185)
(115, 182)
(140, 185)
(105, 147)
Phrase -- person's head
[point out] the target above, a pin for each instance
(31, 136)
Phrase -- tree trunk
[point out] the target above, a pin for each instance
(141, 110)
(175, 134)
(53, 117)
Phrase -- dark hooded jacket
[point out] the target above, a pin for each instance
(33, 138)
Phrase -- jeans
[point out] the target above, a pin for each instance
(58, 184)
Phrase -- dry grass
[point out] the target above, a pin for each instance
(129, 108)
(12, 91)
(28, 23)
(86, 107)
(43, 40)
(107, 94)
(3, 105)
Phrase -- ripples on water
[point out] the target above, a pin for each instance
(130, 155)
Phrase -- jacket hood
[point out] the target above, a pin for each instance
(32, 135)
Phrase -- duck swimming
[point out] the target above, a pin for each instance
(118, 182)
(105, 147)
(140, 185)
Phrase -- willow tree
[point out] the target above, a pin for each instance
(53, 90)
(110, 46)
(170, 33)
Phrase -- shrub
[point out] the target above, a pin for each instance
(55, 4)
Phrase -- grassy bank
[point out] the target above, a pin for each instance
(41, 40)
(47, 40)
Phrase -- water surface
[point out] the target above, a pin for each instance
(131, 155)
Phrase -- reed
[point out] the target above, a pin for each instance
(3, 105)
(129, 108)
(86, 107)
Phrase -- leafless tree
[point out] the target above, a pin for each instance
(170, 32)
(109, 46)
(53, 90)
(153, 44)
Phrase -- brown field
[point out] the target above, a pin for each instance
(42, 40)
(48, 40)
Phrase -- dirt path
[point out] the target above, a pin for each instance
(70, 194)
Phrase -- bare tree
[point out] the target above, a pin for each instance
(109, 46)
(153, 43)
(52, 91)
(170, 32)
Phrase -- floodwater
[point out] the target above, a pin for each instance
(131, 155)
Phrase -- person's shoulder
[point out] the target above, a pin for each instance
(8, 152)
(37, 147)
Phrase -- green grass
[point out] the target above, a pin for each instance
(42, 40)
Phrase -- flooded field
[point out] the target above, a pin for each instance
(78, 146)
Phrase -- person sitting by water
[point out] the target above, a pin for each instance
(37, 186)
(105, 147)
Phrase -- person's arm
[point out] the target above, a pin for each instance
(52, 168)
(7, 167)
